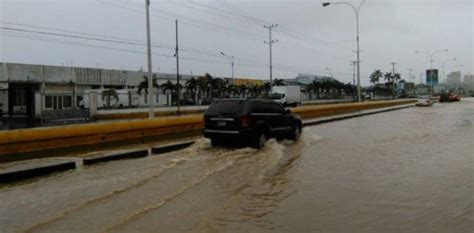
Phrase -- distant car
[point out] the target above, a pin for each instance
(207, 101)
(187, 102)
(448, 97)
(251, 121)
(454, 98)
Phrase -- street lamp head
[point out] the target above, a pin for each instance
(325, 4)
(222, 53)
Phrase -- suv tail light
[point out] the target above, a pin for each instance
(245, 121)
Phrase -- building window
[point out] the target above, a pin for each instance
(55, 102)
(20, 98)
(48, 102)
(67, 101)
(60, 102)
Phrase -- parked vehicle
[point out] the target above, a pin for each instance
(286, 95)
(207, 101)
(251, 121)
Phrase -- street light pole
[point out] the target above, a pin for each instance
(431, 55)
(356, 11)
(232, 59)
(443, 66)
(150, 71)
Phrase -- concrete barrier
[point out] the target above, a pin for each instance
(133, 154)
(37, 139)
(329, 110)
(341, 117)
(15, 175)
(28, 140)
(170, 148)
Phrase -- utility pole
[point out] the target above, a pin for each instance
(177, 72)
(150, 71)
(393, 79)
(412, 80)
(411, 77)
(271, 42)
(354, 72)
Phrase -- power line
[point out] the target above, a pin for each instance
(282, 68)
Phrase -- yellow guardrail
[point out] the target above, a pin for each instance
(37, 139)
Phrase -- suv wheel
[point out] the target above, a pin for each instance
(296, 133)
(259, 140)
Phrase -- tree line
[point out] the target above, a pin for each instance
(205, 88)
(391, 79)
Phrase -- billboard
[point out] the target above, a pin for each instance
(432, 77)
(248, 82)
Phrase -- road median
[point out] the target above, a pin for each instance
(39, 139)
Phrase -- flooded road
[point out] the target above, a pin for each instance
(410, 170)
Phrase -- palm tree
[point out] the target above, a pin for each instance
(202, 85)
(316, 88)
(326, 86)
(376, 76)
(169, 86)
(191, 87)
(390, 82)
(232, 90)
(349, 89)
(242, 90)
(309, 91)
(266, 89)
(108, 94)
(254, 91)
(217, 86)
(144, 84)
(279, 82)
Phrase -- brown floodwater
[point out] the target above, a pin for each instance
(410, 170)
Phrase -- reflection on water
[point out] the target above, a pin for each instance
(404, 171)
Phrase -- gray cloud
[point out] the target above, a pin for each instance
(310, 37)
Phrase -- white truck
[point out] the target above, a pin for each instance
(286, 95)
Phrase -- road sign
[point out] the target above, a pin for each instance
(432, 77)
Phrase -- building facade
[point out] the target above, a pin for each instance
(454, 78)
(31, 92)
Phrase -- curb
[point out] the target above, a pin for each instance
(14, 176)
(333, 119)
(170, 148)
(116, 156)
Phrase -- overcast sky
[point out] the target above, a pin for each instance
(310, 38)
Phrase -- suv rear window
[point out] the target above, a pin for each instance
(226, 107)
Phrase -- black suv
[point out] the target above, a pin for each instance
(251, 122)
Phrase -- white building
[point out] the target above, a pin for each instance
(454, 78)
(35, 92)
